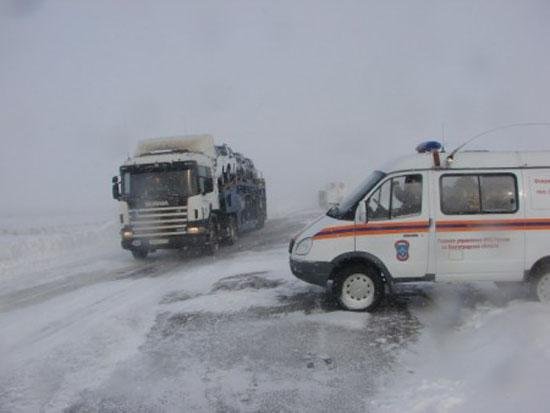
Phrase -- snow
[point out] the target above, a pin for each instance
(87, 328)
(192, 143)
(493, 357)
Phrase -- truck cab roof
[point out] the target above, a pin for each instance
(203, 144)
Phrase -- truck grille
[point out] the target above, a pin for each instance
(158, 222)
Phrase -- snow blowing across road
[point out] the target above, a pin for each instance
(85, 328)
(478, 351)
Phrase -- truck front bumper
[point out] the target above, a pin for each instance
(169, 242)
(313, 272)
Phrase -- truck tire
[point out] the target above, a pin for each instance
(140, 254)
(261, 222)
(359, 288)
(232, 231)
(212, 244)
(540, 286)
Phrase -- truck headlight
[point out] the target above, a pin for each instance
(304, 246)
(196, 229)
(127, 233)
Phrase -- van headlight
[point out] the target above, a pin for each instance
(304, 246)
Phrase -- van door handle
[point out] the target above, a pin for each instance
(410, 235)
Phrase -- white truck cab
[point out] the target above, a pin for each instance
(184, 191)
(482, 216)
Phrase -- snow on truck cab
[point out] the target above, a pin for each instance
(185, 191)
(473, 216)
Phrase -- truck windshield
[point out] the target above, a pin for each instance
(160, 185)
(346, 209)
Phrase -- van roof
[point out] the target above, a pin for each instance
(472, 160)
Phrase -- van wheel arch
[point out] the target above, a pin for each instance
(538, 279)
(360, 258)
(542, 265)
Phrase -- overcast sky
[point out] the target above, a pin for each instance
(312, 91)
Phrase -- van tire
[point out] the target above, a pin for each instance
(359, 288)
(540, 286)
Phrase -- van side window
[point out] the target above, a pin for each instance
(397, 198)
(478, 194)
(498, 193)
(378, 205)
(406, 198)
(460, 195)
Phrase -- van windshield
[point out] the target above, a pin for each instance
(346, 209)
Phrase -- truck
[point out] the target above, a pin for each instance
(186, 192)
(433, 216)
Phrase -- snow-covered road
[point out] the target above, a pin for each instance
(84, 328)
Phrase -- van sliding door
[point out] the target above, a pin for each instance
(479, 226)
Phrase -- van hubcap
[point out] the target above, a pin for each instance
(358, 291)
(543, 288)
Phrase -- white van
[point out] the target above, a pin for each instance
(482, 216)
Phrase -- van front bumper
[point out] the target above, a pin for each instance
(313, 272)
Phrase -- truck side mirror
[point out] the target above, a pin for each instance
(116, 190)
(208, 185)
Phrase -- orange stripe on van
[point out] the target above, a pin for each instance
(493, 225)
(372, 229)
(343, 231)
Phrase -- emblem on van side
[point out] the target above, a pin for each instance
(402, 250)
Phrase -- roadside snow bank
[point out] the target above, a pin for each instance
(496, 360)
(23, 237)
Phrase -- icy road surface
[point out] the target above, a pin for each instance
(86, 328)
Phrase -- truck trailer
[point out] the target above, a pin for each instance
(182, 192)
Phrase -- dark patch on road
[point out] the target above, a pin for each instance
(243, 281)
(313, 300)
(176, 296)
(292, 356)
(147, 270)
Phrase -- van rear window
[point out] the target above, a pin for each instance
(468, 194)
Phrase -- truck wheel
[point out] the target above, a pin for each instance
(232, 231)
(261, 222)
(140, 254)
(359, 288)
(212, 244)
(540, 286)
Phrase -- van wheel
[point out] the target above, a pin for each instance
(540, 286)
(140, 254)
(359, 288)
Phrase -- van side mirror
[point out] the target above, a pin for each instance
(116, 188)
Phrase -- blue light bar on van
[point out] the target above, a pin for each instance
(429, 146)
